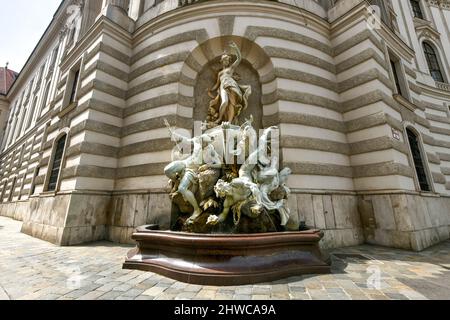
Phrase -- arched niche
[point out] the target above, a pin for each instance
(208, 77)
(200, 70)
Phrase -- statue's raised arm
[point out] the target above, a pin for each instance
(238, 54)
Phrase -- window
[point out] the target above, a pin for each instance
(31, 115)
(73, 92)
(398, 76)
(13, 187)
(33, 185)
(53, 59)
(71, 39)
(418, 160)
(56, 164)
(396, 79)
(3, 191)
(417, 10)
(45, 97)
(433, 62)
(383, 10)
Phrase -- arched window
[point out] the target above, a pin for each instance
(417, 10)
(13, 190)
(56, 163)
(433, 62)
(31, 115)
(33, 183)
(418, 160)
(45, 98)
(2, 197)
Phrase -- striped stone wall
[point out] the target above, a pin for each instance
(327, 85)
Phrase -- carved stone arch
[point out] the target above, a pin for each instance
(203, 62)
(408, 126)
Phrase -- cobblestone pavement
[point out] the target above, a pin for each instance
(31, 269)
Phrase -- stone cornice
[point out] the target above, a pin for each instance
(425, 29)
(241, 8)
(443, 4)
(433, 91)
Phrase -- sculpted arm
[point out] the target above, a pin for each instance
(238, 55)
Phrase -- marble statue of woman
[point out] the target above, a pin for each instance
(231, 98)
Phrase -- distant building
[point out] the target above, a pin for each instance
(7, 78)
(360, 90)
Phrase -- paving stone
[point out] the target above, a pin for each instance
(185, 295)
(154, 291)
(31, 269)
(93, 295)
(111, 295)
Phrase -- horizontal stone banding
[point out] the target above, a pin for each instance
(89, 171)
(96, 126)
(92, 148)
(314, 144)
(252, 33)
(377, 144)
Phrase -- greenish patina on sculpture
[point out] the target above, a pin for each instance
(229, 169)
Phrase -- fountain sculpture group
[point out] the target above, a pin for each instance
(230, 202)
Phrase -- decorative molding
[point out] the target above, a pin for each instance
(425, 29)
(443, 4)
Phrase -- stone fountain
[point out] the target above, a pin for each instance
(230, 200)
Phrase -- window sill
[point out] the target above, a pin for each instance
(65, 110)
(442, 86)
(47, 194)
(404, 102)
(429, 194)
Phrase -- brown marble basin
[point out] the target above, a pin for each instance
(227, 259)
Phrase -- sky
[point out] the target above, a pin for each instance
(22, 24)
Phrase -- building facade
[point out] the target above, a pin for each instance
(359, 90)
(7, 78)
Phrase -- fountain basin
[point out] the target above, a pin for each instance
(226, 260)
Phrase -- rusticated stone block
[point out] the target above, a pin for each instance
(383, 212)
(342, 238)
(50, 234)
(424, 238)
(329, 212)
(114, 233)
(160, 210)
(390, 238)
(305, 209)
(319, 216)
(402, 217)
(346, 212)
(141, 210)
(294, 221)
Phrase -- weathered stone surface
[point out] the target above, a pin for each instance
(160, 210)
(319, 216)
(346, 212)
(294, 221)
(305, 209)
(402, 218)
(384, 213)
(141, 210)
(329, 212)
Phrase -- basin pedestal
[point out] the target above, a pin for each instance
(226, 260)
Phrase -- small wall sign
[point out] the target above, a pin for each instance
(396, 134)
